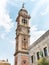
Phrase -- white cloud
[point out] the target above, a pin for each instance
(38, 6)
(2, 36)
(46, 10)
(34, 28)
(33, 0)
(13, 42)
(13, 2)
(35, 33)
(5, 20)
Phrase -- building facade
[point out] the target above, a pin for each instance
(3, 62)
(40, 48)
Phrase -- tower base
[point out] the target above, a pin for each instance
(22, 59)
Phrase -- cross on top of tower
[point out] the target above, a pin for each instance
(23, 5)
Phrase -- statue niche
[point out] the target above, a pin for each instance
(24, 43)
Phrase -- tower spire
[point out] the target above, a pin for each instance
(23, 5)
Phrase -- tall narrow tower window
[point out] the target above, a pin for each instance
(24, 43)
(45, 51)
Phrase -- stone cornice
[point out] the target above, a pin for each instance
(22, 34)
(20, 52)
(23, 15)
(21, 26)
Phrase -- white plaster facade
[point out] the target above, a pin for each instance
(38, 46)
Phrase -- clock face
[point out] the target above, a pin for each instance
(25, 30)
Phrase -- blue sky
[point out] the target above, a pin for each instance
(39, 23)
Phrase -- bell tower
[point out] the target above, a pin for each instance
(22, 37)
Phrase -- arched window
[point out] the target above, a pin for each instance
(24, 21)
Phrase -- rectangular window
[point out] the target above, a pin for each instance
(32, 59)
(38, 55)
(45, 51)
(41, 54)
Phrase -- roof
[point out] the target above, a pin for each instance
(40, 39)
(4, 61)
(23, 9)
